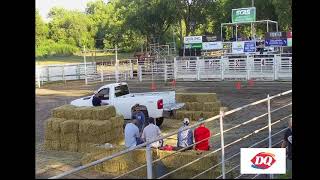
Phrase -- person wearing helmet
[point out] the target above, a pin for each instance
(185, 137)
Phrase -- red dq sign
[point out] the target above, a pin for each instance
(289, 34)
(263, 160)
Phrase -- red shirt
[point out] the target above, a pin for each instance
(201, 133)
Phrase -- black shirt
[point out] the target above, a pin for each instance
(96, 101)
(288, 139)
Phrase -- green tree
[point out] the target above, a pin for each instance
(71, 27)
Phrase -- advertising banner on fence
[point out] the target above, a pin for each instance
(276, 35)
(212, 45)
(192, 39)
(276, 42)
(249, 46)
(263, 160)
(238, 47)
(243, 15)
(289, 42)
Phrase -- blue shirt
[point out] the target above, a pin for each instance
(131, 132)
(185, 138)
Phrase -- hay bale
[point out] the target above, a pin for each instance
(94, 127)
(211, 106)
(67, 146)
(196, 97)
(103, 112)
(119, 164)
(87, 147)
(117, 121)
(62, 111)
(56, 124)
(185, 157)
(69, 126)
(51, 145)
(51, 135)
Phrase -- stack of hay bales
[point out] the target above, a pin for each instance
(78, 129)
(120, 164)
(137, 158)
(197, 103)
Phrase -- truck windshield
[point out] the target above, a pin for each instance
(121, 90)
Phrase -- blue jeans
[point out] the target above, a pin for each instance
(139, 141)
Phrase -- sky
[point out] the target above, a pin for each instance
(44, 6)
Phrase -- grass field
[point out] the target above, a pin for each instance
(78, 58)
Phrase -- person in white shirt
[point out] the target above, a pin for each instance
(151, 132)
(131, 133)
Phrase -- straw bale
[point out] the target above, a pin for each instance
(97, 139)
(194, 115)
(211, 106)
(88, 147)
(117, 121)
(84, 112)
(51, 145)
(69, 126)
(69, 138)
(103, 112)
(93, 127)
(119, 164)
(196, 97)
(62, 111)
(49, 134)
(69, 146)
(56, 124)
(185, 157)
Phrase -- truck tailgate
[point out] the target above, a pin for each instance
(169, 97)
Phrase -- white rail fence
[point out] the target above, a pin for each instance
(231, 67)
(264, 129)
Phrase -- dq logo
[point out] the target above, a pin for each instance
(263, 160)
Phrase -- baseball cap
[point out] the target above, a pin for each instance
(186, 121)
(201, 119)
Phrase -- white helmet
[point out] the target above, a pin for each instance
(186, 121)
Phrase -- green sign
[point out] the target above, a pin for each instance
(289, 42)
(243, 15)
(196, 45)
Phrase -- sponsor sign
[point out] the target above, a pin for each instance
(243, 15)
(263, 161)
(238, 47)
(249, 46)
(212, 45)
(276, 42)
(192, 39)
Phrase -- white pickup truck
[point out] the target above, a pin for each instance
(157, 104)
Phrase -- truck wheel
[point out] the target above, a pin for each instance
(159, 121)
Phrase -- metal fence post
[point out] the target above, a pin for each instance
(198, 68)
(149, 161)
(248, 67)
(269, 123)
(175, 67)
(222, 143)
(131, 70)
(165, 70)
(63, 78)
(101, 74)
(140, 73)
(222, 68)
(38, 77)
(48, 74)
(85, 65)
(276, 60)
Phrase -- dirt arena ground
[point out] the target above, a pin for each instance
(49, 163)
